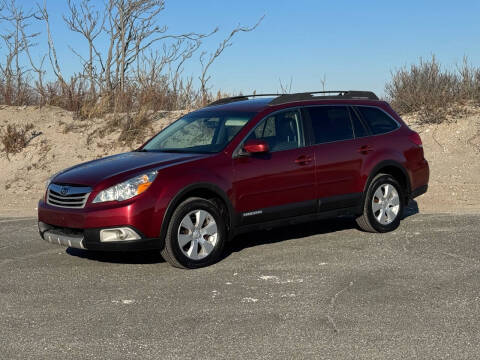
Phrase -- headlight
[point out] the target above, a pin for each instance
(127, 189)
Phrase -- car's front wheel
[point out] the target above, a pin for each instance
(383, 206)
(196, 234)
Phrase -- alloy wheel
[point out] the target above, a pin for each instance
(197, 234)
(385, 204)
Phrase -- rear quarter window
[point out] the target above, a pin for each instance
(378, 121)
(358, 127)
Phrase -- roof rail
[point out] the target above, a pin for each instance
(334, 94)
(239, 98)
(305, 96)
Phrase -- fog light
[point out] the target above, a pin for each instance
(118, 234)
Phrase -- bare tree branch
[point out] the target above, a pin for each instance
(17, 41)
(206, 62)
(85, 20)
(52, 53)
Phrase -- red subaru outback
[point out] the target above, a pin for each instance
(240, 164)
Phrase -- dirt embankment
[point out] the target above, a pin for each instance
(453, 150)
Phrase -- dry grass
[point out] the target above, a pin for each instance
(433, 92)
(74, 96)
(15, 138)
(133, 128)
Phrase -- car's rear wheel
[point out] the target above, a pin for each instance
(383, 205)
(196, 234)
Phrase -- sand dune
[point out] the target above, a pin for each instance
(453, 150)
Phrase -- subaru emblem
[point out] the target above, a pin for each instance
(64, 190)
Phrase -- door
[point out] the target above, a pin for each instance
(338, 160)
(281, 182)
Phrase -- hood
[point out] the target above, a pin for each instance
(94, 172)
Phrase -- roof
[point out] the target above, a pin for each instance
(247, 105)
(258, 102)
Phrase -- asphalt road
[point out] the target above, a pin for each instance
(320, 290)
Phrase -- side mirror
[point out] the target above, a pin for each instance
(255, 146)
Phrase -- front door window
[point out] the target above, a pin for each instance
(282, 131)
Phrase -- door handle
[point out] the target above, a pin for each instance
(303, 160)
(365, 149)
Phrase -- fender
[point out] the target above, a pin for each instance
(382, 164)
(181, 194)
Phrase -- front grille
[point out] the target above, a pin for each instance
(67, 196)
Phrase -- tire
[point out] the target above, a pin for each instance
(381, 212)
(190, 244)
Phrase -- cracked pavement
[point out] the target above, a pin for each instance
(316, 290)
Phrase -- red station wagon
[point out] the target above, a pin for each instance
(240, 164)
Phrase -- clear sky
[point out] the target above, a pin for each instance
(354, 44)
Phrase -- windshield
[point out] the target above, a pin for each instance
(199, 132)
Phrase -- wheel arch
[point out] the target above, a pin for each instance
(393, 168)
(204, 190)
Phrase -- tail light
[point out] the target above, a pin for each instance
(415, 138)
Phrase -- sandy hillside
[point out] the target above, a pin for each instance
(62, 142)
(452, 149)
(453, 152)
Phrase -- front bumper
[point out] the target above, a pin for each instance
(89, 239)
(140, 214)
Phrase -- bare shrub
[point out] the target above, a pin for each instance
(469, 82)
(15, 138)
(431, 91)
(134, 128)
(96, 108)
(16, 41)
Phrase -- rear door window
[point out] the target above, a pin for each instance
(330, 123)
(378, 121)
